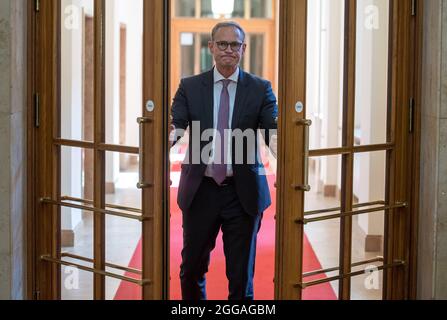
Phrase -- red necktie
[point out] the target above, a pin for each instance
(220, 168)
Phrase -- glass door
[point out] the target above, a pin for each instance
(343, 211)
(101, 150)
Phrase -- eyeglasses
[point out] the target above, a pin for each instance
(223, 45)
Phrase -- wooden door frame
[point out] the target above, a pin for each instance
(43, 148)
(404, 81)
(415, 60)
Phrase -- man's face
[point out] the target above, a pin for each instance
(230, 57)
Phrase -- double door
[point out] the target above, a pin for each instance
(100, 201)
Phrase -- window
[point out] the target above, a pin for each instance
(243, 9)
(185, 8)
(261, 9)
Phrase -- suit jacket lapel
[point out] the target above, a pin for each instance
(241, 95)
(208, 100)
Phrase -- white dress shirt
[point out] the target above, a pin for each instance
(232, 88)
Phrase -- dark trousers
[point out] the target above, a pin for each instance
(214, 208)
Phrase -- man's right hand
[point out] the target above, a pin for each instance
(172, 135)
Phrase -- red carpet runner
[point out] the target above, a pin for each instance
(216, 279)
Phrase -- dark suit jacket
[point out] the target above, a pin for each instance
(255, 108)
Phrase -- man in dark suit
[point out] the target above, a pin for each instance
(222, 185)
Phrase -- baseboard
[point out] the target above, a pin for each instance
(312, 164)
(67, 238)
(373, 243)
(110, 187)
(355, 199)
(133, 160)
(330, 190)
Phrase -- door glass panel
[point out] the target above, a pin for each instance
(324, 291)
(124, 75)
(123, 290)
(368, 229)
(124, 248)
(76, 70)
(325, 182)
(123, 235)
(76, 225)
(261, 9)
(325, 54)
(371, 72)
(369, 177)
(321, 246)
(367, 235)
(123, 245)
(76, 241)
(76, 173)
(76, 284)
(77, 233)
(368, 286)
(122, 176)
(369, 193)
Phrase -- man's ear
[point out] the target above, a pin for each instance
(244, 47)
(211, 46)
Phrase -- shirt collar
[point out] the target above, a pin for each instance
(218, 76)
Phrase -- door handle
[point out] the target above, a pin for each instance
(141, 184)
(306, 124)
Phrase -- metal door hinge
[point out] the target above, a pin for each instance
(36, 110)
(37, 5)
(413, 7)
(411, 115)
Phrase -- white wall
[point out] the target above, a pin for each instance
(72, 31)
(112, 88)
(325, 82)
(128, 13)
(131, 14)
(334, 13)
(313, 71)
(371, 107)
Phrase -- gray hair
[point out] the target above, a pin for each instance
(226, 24)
